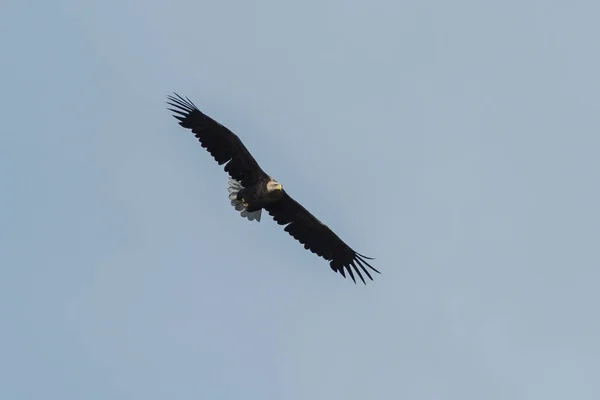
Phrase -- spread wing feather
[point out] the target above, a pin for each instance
(224, 145)
(318, 238)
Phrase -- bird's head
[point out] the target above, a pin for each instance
(274, 187)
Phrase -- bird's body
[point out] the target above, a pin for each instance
(260, 195)
(249, 201)
(251, 190)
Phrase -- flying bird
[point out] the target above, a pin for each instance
(251, 190)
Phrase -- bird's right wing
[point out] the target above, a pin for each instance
(224, 145)
(318, 238)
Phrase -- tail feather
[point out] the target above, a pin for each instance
(233, 188)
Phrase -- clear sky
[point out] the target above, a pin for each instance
(456, 142)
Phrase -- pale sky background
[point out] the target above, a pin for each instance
(456, 142)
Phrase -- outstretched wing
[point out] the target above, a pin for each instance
(318, 238)
(224, 145)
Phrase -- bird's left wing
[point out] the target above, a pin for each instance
(224, 145)
(318, 238)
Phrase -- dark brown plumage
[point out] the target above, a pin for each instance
(252, 190)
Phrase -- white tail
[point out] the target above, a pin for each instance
(233, 188)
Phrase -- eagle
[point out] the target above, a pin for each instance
(251, 190)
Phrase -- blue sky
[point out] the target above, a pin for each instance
(456, 142)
